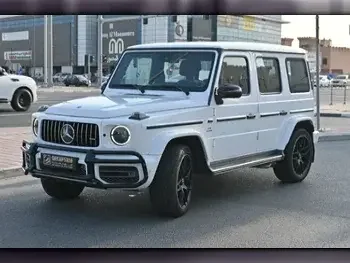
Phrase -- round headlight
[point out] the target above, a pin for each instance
(35, 127)
(120, 135)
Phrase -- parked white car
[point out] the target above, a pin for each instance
(340, 81)
(324, 81)
(144, 132)
(20, 91)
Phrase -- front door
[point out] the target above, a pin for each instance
(6, 87)
(235, 129)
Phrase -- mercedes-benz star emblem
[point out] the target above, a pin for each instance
(67, 134)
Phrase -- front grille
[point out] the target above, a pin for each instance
(85, 134)
(119, 174)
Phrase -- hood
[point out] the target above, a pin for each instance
(103, 107)
(20, 77)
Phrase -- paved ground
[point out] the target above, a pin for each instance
(248, 209)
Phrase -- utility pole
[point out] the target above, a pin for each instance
(318, 72)
(99, 50)
(50, 49)
(45, 51)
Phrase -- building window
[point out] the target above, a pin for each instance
(297, 75)
(235, 71)
(269, 76)
(324, 61)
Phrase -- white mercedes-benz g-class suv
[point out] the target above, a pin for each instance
(232, 105)
(20, 91)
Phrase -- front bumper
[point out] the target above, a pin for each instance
(97, 169)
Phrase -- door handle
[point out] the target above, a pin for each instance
(283, 113)
(251, 116)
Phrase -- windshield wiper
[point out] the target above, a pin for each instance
(139, 87)
(184, 90)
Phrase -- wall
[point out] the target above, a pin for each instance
(309, 44)
(265, 29)
(33, 40)
(86, 37)
(337, 59)
(156, 30)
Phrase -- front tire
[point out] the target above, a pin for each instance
(171, 189)
(60, 189)
(21, 100)
(299, 155)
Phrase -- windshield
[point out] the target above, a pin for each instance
(164, 70)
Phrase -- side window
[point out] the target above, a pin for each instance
(297, 75)
(235, 71)
(269, 76)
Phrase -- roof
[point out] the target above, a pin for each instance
(224, 45)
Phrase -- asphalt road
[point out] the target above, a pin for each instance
(10, 118)
(249, 208)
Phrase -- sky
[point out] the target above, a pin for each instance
(335, 27)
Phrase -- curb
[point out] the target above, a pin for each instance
(334, 136)
(11, 172)
(335, 115)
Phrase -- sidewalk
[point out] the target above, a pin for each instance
(335, 110)
(10, 143)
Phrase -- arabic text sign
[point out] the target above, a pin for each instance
(18, 55)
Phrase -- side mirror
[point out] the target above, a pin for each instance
(103, 86)
(227, 91)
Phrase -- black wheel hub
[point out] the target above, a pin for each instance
(301, 155)
(24, 100)
(184, 181)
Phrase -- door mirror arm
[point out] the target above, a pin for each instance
(227, 91)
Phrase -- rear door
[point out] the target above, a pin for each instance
(272, 96)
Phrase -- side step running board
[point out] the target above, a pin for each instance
(252, 163)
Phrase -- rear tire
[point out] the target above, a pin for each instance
(21, 100)
(60, 189)
(299, 155)
(171, 189)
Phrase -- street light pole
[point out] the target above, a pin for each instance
(99, 50)
(45, 51)
(318, 72)
(50, 53)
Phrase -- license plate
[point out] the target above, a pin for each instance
(59, 161)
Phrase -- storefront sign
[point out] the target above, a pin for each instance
(17, 55)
